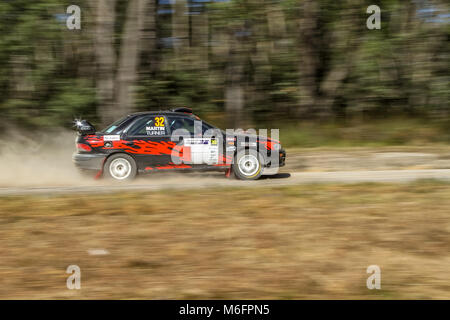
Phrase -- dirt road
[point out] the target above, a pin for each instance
(189, 182)
(50, 170)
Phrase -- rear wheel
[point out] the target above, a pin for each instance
(247, 165)
(120, 167)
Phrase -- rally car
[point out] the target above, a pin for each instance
(172, 140)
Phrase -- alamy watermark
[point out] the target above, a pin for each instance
(374, 21)
(213, 146)
(374, 280)
(73, 21)
(74, 280)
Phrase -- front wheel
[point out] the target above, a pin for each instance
(247, 165)
(120, 167)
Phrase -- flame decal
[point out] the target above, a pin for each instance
(268, 144)
(94, 141)
(147, 147)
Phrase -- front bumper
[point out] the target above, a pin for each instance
(275, 160)
(282, 160)
(88, 161)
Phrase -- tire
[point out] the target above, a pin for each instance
(120, 167)
(248, 165)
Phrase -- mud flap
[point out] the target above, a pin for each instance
(100, 172)
(228, 172)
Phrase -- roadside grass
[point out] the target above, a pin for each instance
(390, 131)
(293, 242)
(377, 133)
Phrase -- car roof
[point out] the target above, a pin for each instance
(161, 112)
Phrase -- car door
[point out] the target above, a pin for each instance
(198, 150)
(148, 139)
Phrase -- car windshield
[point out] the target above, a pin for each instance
(115, 125)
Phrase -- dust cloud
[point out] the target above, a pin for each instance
(39, 159)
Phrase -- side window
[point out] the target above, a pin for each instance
(185, 123)
(118, 126)
(206, 127)
(149, 126)
(181, 123)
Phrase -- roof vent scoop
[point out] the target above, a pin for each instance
(183, 110)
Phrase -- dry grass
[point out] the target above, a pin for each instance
(292, 242)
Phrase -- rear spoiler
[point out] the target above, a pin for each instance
(83, 127)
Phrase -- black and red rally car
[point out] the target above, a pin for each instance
(172, 140)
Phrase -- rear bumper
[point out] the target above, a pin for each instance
(87, 161)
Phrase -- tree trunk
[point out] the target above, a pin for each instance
(200, 35)
(149, 57)
(234, 95)
(180, 31)
(321, 77)
(129, 57)
(104, 50)
(309, 60)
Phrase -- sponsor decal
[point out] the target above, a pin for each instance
(196, 141)
(203, 150)
(155, 131)
(114, 137)
(250, 144)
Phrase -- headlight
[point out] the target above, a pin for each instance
(276, 146)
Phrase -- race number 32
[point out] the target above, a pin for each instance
(159, 122)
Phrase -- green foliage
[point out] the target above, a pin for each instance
(49, 74)
(40, 86)
(173, 89)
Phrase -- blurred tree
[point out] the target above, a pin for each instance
(129, 57)
(105, 57)
(39, 64)
(252, 60)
